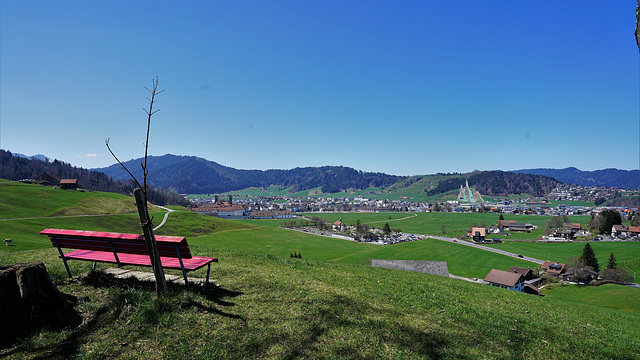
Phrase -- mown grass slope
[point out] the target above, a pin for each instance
(273, 307)
(612, 296)
(20, 200)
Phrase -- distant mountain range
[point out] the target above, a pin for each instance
(624, 179)
(194, 175)
(34, 157)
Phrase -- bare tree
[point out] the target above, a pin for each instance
(140, 194)
(145, 171)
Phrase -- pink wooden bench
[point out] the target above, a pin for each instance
(125, 249)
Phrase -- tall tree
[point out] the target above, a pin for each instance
(609, 218)
(612, 264)
(589, 257)
(386, 229)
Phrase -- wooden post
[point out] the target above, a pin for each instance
(150, 239)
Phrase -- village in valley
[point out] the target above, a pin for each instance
(305, 214)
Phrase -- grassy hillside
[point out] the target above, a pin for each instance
(325, 305)
(18, 200)
(272, 307)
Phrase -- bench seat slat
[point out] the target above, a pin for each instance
(194, 263)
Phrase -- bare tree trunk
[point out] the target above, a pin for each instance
(150, 240)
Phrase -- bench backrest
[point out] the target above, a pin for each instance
(168, 246)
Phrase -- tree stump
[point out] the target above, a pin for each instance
(29, 301)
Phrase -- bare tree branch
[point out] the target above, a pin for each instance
(145, 171)
(154, 92)
(120, 162)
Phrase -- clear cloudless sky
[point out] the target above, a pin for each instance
(401, 87)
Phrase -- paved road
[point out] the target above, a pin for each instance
(502, 252)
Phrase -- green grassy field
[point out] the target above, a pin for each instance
(326, 305)
(610, 296)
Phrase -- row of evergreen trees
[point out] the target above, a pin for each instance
(588, 259)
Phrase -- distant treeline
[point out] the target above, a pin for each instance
(625, 201)
(500, 183)
(19, 168)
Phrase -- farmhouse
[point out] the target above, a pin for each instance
(512, 225)
(48, 179)
(68, 183)
(526, 273)
(478, 234)
(505, 280)
(553, 268)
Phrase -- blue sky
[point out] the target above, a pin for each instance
(409, 87)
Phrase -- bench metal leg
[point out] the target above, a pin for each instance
(184, 273)
(93, 267)
(208, 271)
(64, 260)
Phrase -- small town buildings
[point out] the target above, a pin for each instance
(625, 232)
(271, 215)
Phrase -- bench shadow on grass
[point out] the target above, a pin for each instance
(111, 310)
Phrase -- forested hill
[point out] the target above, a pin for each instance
(18, 167)
(193, 175)
(624, 179)
(498, 183)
